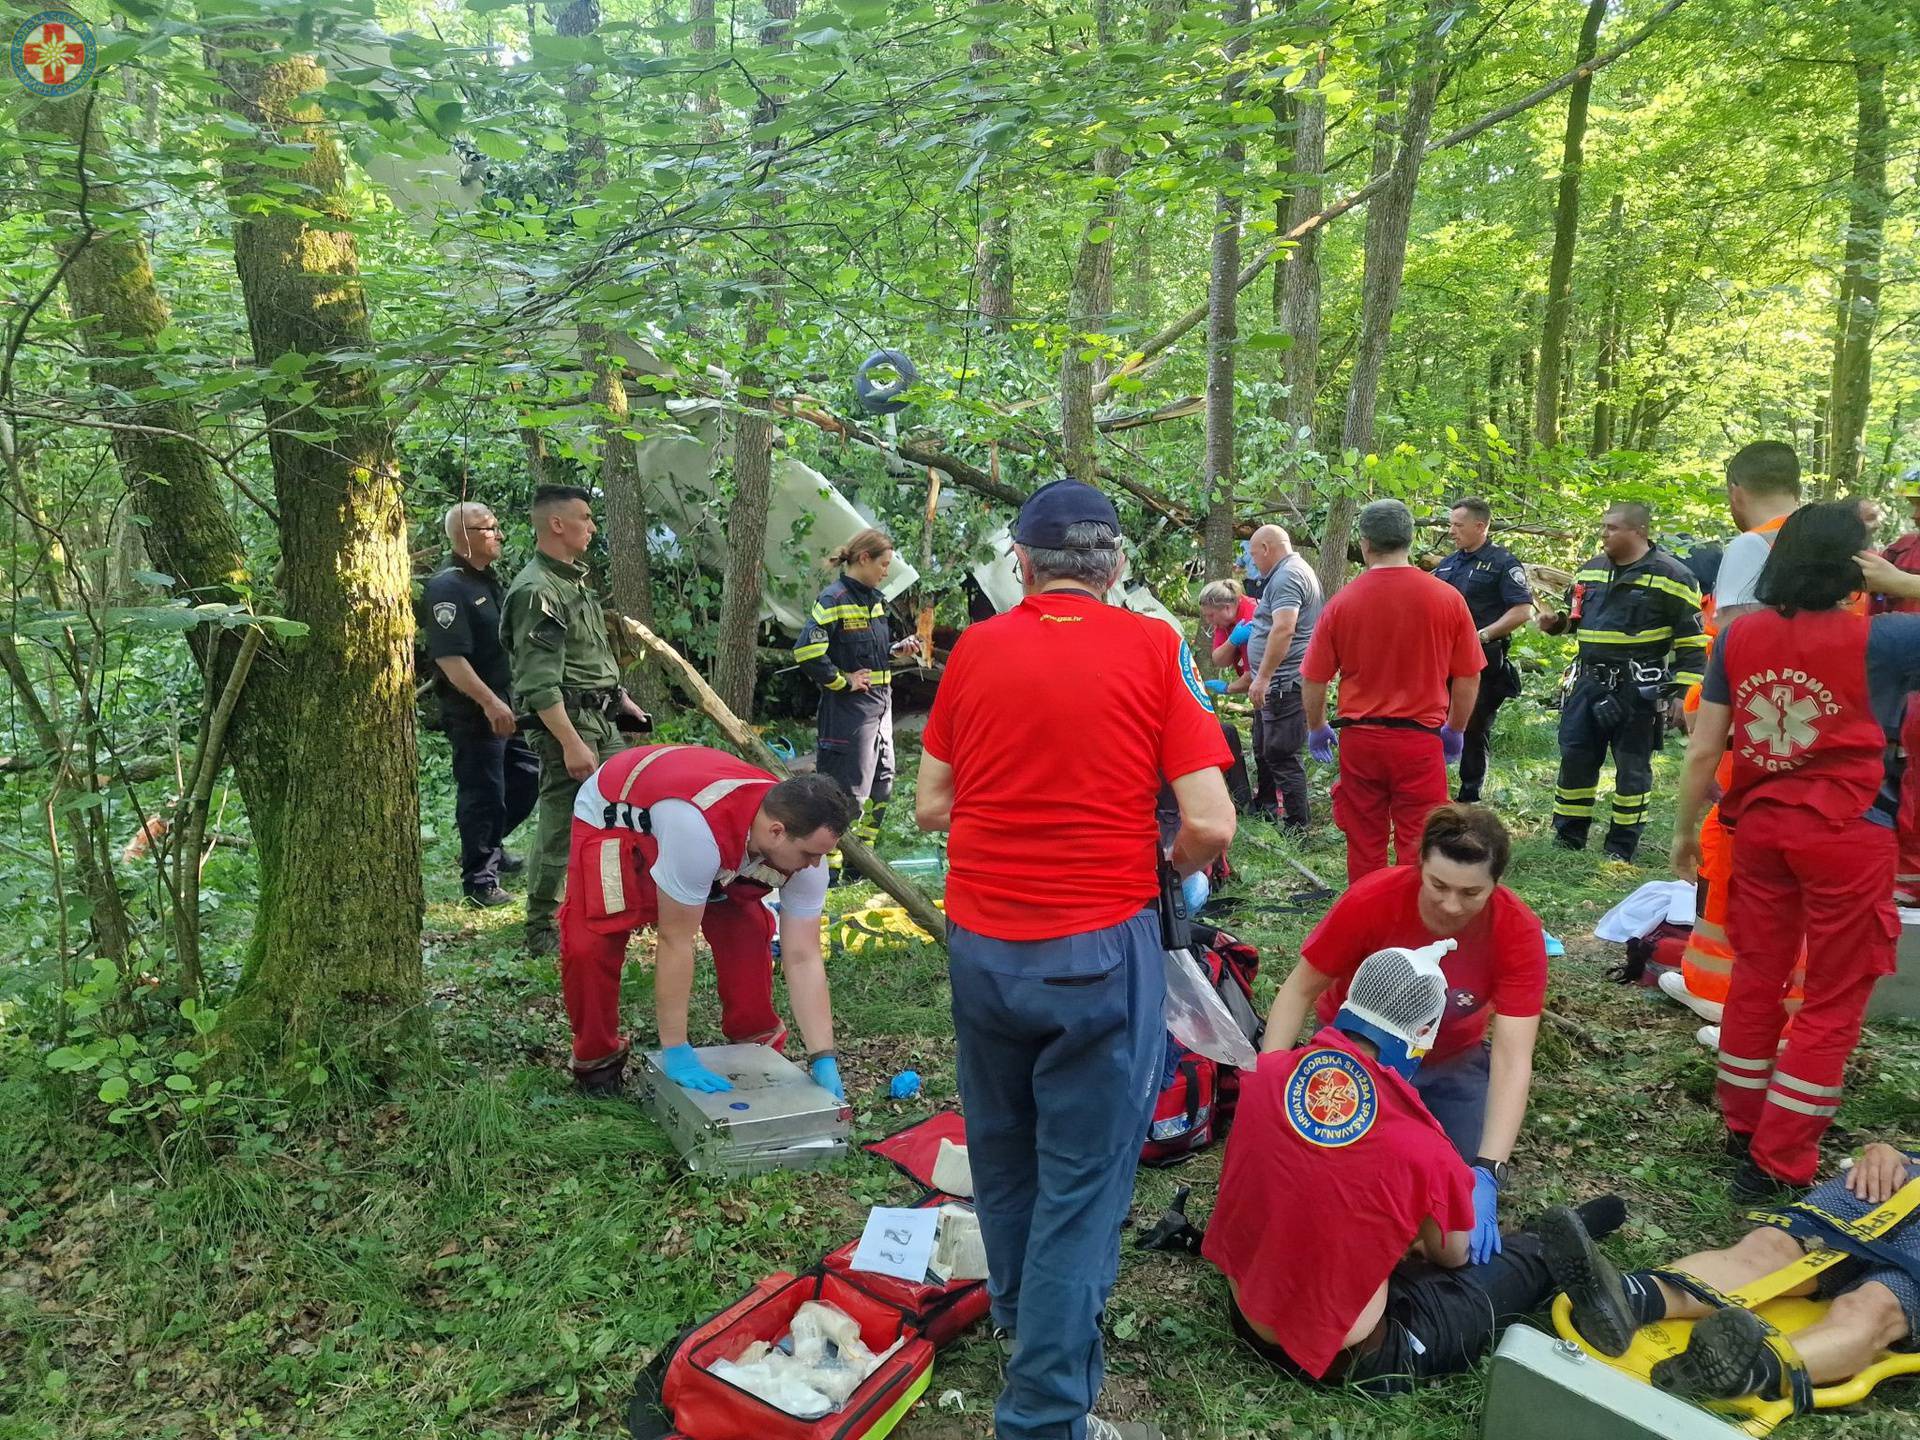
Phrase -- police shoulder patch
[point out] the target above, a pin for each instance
(1518, 574)
(1330, 1100)
(1190, 677)
(444, 613)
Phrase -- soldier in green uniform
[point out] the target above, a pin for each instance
(566, 686)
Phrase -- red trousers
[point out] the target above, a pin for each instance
(593, 950)
(1390, 781)
(1907, 872)
(1798, 877)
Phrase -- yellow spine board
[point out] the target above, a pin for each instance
(1768, 1299)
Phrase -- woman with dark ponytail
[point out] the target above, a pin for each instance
(846, 648)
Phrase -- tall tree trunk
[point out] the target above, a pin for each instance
(1566, 230)
(993, 245)
(337, 934)
(620, 481)
(1300, 289)
(1858, 304)
(1606, 363)
(735, 664)
(1223, 330)
(1388, 221)
(1090, 298)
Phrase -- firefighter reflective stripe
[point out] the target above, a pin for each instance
(828, 614)
(1630, 809)
(1622, 637)
(810, 652)
(838, 682)
(1743, 1073)
(709, 796)
(1575, 801)
(613, 882)
(626, 789)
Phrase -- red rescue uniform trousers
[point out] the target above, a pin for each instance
(1391, 780)
(592, 952)
(1799, 877)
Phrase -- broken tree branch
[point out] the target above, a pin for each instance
(742, 737)
(1176, 331)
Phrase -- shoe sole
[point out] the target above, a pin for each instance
(1718, 1358)
(1600, 1310)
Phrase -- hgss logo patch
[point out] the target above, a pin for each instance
(1190, 676)
(1330, 1099)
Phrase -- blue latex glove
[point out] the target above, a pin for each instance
(683, 1067)
(1554, 948)
(1322, 743)
(1194, 890)
(905, 1085)
(1452, 742)
(1484, 1244)
(826, 1074)
(1240, 633)
(1216, 687)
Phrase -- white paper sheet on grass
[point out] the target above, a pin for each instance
(897, 1242)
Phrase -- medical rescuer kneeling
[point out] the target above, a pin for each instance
(1344, 1215)
(689, 840)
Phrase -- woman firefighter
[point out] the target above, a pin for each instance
(846, 648)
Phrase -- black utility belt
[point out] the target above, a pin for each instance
(1615, 673)
(1388, 723)
(600, 702)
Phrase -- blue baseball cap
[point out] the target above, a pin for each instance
(1049, 511)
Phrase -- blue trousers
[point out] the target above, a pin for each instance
(1060, 1044)
(1456, 1094)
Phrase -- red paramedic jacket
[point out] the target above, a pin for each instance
(620, 854)
(1803, 728)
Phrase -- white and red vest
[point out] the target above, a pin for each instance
(618, 855)
(1803, 727)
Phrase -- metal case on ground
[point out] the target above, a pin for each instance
(1897, 996)
(774, 1118)
(1539, 1386)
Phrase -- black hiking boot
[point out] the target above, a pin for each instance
(1600, 1310)
(1727, 1356)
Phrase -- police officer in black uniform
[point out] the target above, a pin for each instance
(495, 774)
(1630, 606)
(847, 649)
(1494, 585)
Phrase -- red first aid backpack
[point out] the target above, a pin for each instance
(1198, 1095)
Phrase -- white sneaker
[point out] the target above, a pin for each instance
(1709, 1036)
(1674, 986)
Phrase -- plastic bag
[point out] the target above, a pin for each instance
(1199, 1018)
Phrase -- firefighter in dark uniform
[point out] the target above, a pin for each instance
(847, 649)
(1491, 580)
(1630, 606)
(496, 775)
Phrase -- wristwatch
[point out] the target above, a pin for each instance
(1499, 1169)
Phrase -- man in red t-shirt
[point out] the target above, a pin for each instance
(1055, 727)
(1335, 1172)
(1408, 659)
(1497, 973)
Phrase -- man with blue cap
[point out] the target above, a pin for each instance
(1336, 1173)
(1055, 727)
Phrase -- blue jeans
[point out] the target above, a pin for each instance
(1456, 1094)
(1060, 1043)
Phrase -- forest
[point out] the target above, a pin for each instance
(288, 1147)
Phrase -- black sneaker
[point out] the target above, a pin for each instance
(1600, 1310)
(1751, 1185)
(511, 864)
(1737, 1146)
(491, 898)
(1722, 1361)
(605, 1080)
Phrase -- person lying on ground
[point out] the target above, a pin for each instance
(1345, 1219)
(1732, 1352)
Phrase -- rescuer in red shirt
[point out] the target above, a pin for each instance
(689, 840)
(1336, 1172)
(1791, 687)
(1055, 727)
(1408, 660)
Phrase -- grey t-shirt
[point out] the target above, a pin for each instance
(1292, 586)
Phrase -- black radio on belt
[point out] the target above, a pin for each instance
(1176, 925)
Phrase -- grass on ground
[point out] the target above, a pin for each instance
(481, 1254)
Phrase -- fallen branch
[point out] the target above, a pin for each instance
(149, 767)
(742, 737)
(1579, 1034)
(1172, 334)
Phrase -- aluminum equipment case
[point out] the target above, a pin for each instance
(774, 1118)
